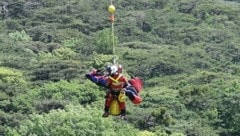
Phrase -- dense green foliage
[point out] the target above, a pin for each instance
(186, 51)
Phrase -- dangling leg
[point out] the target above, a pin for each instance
(108, 100)
(133, 96)
(123, 110)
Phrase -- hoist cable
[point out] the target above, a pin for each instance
(112, 32)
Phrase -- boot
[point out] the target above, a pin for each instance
(122, 114)
(106, 113)
(123, 117)
(136, 100)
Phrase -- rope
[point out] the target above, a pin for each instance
(113, 37)
(113, 42)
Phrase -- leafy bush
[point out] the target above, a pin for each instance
(55, 70)
(75, 121)
(20, 36)
(11, 76)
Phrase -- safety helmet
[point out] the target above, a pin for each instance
(108, 69)
(120, 68)
(114, 69)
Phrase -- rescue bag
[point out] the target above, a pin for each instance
(114, 108)
(137, 83)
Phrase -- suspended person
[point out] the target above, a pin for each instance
(131, 91)
(98, 77)
(116, 83)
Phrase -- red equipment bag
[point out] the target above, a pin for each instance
(137, 83)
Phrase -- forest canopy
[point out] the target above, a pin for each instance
(186, 52)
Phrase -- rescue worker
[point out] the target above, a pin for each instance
(116, 83)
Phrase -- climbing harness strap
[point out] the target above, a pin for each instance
(117, 79)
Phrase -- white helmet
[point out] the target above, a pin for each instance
(114, 69)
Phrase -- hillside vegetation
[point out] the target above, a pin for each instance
(186, 51)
